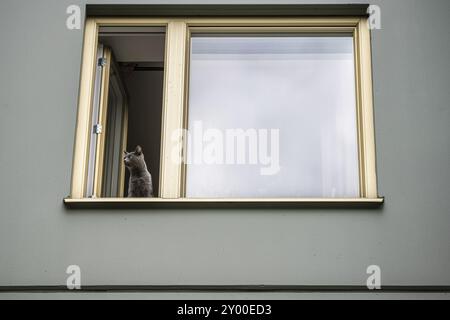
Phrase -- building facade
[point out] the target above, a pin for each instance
(230, 251)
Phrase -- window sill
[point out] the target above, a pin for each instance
(121, 203)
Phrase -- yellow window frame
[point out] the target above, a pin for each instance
(174, 113)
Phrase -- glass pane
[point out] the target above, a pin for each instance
(272, 116)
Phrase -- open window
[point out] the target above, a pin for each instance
(109, 132)
(126, 107)
(227, 110)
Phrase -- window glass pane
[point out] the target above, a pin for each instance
(290, 98)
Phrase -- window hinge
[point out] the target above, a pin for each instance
(98, 128)
(102, 62)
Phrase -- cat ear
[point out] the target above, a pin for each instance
(125, 152)
(138, 150)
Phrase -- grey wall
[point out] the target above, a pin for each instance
(409, 238)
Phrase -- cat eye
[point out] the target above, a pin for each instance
(228, 110)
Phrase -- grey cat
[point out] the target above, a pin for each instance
(140, 183)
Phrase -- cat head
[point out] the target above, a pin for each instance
(134, 159)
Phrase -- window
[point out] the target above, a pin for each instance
(126, 106)
(109, 135)
(228, 109)
(293, 99)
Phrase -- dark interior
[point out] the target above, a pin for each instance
(139, 53)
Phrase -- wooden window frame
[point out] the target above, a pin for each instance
(99, 168)
(174, 112)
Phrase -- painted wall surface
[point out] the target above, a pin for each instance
(409, 238)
